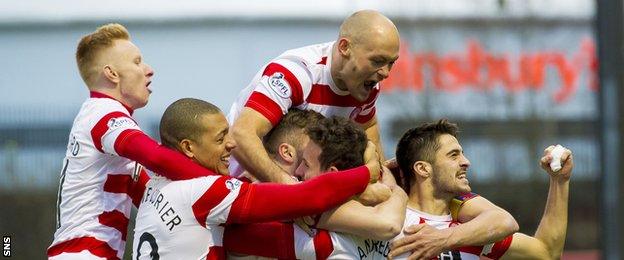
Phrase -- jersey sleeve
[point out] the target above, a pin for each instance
(283, 85)
(214, 204)
(498, 249)
(109, 128)
(459, 201)
(264, 202)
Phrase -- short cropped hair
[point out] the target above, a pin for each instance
(92, 44)
(342, 143)
(293, 123)
(181, 120)
(420, 144)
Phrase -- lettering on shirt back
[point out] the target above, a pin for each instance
(167, 214)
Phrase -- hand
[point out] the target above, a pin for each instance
(387, 178)
(567, 164)
(422, 240)
(374, 194)
(371, 159)
(305, 224)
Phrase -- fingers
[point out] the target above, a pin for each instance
(414, 228)
(391, 163)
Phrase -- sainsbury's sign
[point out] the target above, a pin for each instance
(482, 70)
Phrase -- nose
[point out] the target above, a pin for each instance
(230, 143)
(465, 162)
(149, 70)
(384, 71)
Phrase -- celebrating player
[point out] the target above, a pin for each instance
(335, 78)
(434, 173)
(185, 219)
(94, 192)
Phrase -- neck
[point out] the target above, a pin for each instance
(423, 198)
(336, 68)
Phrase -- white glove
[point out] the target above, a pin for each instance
(555, 163)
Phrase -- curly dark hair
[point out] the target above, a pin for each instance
(342, 142)
(420, 144)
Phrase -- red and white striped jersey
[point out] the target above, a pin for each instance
(93, 200)
(184, 219)
(332, 245)
(493, 251)
(300, 78)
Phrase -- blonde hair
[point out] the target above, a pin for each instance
(90, 45)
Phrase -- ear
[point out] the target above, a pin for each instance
(111, 74)
(344, 47)
(287, 152)
(332, 169)
(422, 169)
(186, 147)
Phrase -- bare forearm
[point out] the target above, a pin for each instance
(488, 227)
(552, 228)
(251, 154)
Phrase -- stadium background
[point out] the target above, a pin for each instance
(516, 76)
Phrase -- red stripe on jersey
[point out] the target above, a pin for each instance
(215, 253)
(137, 188)
(265, 106)
(96, 247)
(118, 183)
(295, 87)
(361, 119)
(210, 199)
(101, 127)
(116, 220)
(321, 94)
(500, 247)
(323, 61)
(323, 244)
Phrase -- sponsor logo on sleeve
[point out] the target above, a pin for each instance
(121, 122)
(279, 85)
(233, 184)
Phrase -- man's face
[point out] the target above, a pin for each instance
(310, 166)
(214, 145)
(134, 74)
(370, 62)
(450, 167)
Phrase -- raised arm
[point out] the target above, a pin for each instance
(372, 132)
(548, 241)
(248, 131)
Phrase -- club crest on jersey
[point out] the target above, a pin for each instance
(279, 85)
(233, 184)
(125, 122)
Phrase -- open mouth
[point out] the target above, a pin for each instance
(226, 160)
(147, 86)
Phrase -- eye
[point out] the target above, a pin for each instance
(220, 141)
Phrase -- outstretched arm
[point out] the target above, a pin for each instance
(384, 221)
(137, 146)
(550, 235)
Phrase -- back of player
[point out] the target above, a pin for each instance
(169, 220)
(93, 203)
